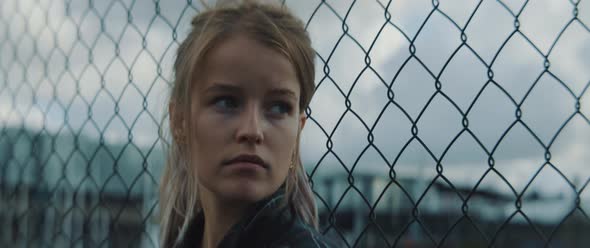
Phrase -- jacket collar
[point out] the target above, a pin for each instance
(247, 230)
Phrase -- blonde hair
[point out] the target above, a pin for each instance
(271, 25)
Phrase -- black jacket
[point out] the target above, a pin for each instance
(267, 225)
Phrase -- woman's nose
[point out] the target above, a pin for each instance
(250, 126)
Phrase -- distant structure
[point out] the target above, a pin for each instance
(73, 191)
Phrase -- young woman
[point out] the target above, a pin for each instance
(234, 178)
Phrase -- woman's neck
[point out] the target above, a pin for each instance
(219, 218)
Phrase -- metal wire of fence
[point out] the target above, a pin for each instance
(82, 84)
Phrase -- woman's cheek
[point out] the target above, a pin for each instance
(213, 119)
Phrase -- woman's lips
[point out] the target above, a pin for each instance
(247, 161)
(245, 166)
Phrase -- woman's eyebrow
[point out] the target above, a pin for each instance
(283, 92)
(219, 87)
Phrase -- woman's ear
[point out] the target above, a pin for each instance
(302, 119)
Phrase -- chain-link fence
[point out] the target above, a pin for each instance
(435, 123)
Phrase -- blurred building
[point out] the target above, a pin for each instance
(73, 191)
(441, 216)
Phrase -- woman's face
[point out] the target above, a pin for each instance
(246, 103)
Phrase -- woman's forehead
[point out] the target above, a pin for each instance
(240, 60)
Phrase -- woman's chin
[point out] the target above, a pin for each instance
(245, 191)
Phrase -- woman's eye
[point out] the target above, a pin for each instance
(280, 108)
(225, 102)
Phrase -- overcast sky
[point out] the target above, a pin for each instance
(132, 56)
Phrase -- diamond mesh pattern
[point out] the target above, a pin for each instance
(435, 123)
